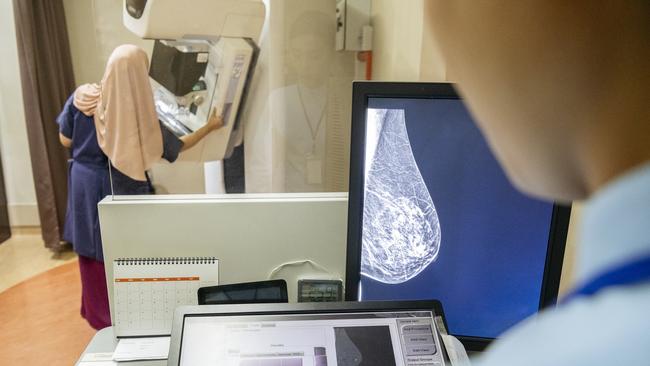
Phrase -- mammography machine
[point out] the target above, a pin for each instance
(202, 61)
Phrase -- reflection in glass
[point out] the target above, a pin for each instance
(301, 139)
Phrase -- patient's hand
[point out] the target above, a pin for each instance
(215, 122)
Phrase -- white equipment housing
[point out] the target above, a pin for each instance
(353, 30)
(202, 62)
(227, 64)
(250, 234)
(194, 19)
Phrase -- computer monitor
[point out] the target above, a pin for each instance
(319, 334)
(433, 216)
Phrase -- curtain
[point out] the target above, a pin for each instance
(47, 80)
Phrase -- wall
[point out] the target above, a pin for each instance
(397, 39)
(432, 65)
(402, 46)
(21, 196)
(95, 29)
(571, 252)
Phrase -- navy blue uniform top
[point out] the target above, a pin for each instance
(89, 179)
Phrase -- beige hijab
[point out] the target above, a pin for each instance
(124, 113)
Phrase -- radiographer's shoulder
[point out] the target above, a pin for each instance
(612, 328)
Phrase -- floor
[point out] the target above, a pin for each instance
(40, 295)
(23, 256)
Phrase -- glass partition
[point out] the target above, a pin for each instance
(284, 104)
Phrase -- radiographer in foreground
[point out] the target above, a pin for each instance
(562, 92)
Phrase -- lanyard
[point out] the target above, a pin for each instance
(314, 131)
(630, 273)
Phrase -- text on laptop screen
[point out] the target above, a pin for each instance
(378, 339)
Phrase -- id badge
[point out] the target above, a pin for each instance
(314, 170)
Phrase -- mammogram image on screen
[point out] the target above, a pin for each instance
(442, 221)
(364, 346)
(401, 230)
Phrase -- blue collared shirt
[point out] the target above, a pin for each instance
(613, 326)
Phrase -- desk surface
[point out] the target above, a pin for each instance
(105, 341)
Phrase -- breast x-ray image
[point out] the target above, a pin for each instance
(401, 232)
(441, 220)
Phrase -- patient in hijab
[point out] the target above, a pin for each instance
(113, 132)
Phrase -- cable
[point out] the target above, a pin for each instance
(298, 263)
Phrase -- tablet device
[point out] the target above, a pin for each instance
(273, 291)
(320, 334)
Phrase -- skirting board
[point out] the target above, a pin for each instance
(23, 214)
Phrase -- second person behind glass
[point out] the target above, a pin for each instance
(114, 121)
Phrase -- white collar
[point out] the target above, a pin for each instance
(616, 225)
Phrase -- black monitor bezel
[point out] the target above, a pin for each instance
(362, 92)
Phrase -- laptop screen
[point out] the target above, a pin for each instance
(368, 338)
